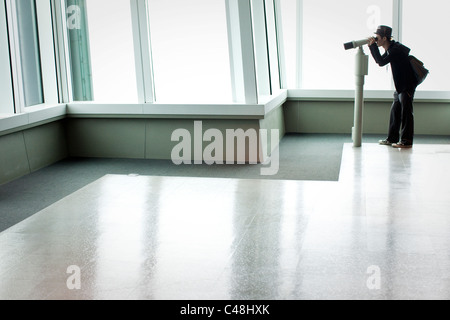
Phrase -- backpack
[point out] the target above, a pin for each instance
(419, 69)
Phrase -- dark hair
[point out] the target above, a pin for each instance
(384, 31)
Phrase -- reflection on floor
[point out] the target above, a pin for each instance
(319, 154)
(381, 232)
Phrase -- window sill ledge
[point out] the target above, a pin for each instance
(33, 116)
(174, 111)
(37, 115)
(369, 95)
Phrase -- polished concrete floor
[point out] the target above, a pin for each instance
(381, 232)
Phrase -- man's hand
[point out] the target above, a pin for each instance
(372, 40)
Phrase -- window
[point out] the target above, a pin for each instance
(112, 50)
(265, 44)
(290, 32)
(418, 36)
(314, 32)
(102, 51)
(190, 51)
(261, 46)
(6, 93)
(80, 62)
(30, 59)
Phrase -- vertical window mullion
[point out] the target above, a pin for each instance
(397, 19)
(397, 25)
(143, 51)
(242, 54)
(260, 47)
(62, 51)
(280, 45)
(47, 51)
(273, 45)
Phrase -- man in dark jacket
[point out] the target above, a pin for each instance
(401, 126)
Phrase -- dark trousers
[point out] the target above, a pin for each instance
(401, 125)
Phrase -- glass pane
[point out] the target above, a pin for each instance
(272, 40)
(260, 45)
(78, 35)
(190, 51)
(326, 26)
(29, 52)
(112, 51)
(266, 46)
(6, 99)
(422, 21)
(289, 29)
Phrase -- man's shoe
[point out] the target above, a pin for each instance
(402, 145)
(385, 143)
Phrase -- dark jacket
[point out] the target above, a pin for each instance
(398, 56)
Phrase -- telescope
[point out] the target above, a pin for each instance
(361, 70)
(356, 44)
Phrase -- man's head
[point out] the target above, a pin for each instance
(383, 35)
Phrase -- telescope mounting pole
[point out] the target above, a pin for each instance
(361, 70)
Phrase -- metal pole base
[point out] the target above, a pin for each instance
(362, 69)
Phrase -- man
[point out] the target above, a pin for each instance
(401, 126)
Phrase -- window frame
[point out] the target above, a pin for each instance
(265, 40)
(6, 86)
(56, 71)
(47, 55)
(62, 54)
(143, 51)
